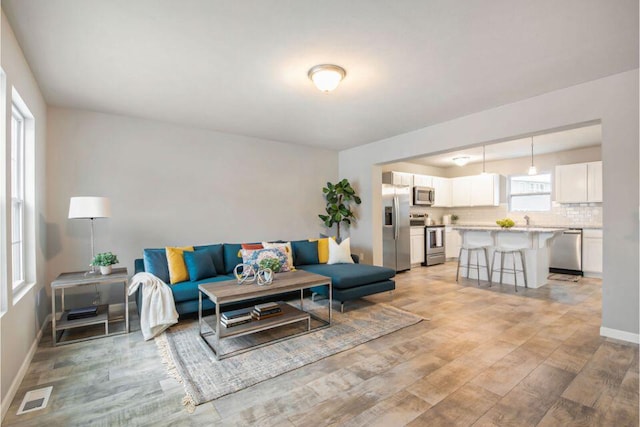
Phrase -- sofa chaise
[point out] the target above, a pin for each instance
(349, 281)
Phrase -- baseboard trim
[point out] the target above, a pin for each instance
(620, 335)
(15, 385)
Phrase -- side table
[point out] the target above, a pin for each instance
(82, 278)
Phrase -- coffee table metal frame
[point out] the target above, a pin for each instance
(227, 292)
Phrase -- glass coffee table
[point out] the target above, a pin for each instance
(213, 331)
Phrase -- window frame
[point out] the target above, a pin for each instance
(18, 165)
(510, 194)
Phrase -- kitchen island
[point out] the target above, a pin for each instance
(534, 241)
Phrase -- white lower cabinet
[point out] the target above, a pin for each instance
(592, 252)
(453, 241)
(417, 245)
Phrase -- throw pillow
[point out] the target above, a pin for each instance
(155, 262)
(305, 252)
(177, 268)
(232, 256)
(323, 249)
(199, 265)
(252, 246)
(286, 248)
(340, 253)
(254, 256)
(217, 255)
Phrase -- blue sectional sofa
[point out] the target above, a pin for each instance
(350, 281)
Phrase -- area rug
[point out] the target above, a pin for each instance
(191, 361)
(564, 277)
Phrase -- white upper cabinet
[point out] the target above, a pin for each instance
(442, 192)
(475, 190)
(461, 191)
(594, 182)
(579, 183)
(397, 178)
(485, 190)
(422, 181)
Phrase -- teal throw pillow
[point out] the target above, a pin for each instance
(199, 265)
(305, 252)
(155, 262)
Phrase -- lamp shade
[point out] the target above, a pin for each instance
(89, 207)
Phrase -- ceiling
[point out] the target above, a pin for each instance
(241, 66)
(570, 139)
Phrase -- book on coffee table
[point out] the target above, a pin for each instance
(82, 312)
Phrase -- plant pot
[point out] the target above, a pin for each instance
(105, 269)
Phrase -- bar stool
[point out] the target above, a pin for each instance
(477, 250)
(514, 270)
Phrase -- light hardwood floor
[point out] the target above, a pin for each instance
(487, 357)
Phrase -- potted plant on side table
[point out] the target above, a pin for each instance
(105, 260)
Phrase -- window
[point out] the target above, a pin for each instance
(17, 196)
(530, 193)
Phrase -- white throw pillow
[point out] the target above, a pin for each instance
(340, 253)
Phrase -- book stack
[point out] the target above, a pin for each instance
(266, 310)
(236, 317)
(82, 313)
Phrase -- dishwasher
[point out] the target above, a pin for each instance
(566, 252)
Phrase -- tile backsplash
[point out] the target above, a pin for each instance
(568, 215)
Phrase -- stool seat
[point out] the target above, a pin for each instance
(510, 251)
(476, 266)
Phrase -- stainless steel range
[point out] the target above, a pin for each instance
(434, 246)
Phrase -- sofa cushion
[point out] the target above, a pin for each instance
(304, 252)
(155, 262)
(199, 265)
(185, 291)
(177, 268)
(232, 256)
(217, 255)
(345, 276)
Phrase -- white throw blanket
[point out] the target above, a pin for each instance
(158, 310)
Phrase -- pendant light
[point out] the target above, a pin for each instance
(484, 172)
(532, 168)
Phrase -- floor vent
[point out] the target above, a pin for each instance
(35, 400)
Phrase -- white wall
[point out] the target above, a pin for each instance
(172, 185)
(613, 100)
(20, 324)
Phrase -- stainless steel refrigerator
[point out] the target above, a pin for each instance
(396, 247)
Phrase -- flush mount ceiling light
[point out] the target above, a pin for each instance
(532, 168)
(326, 77)
(462, 160)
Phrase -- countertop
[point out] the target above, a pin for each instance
(531, 229)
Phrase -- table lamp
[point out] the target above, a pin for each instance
(89, 208)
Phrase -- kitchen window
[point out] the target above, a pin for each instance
(530, 193)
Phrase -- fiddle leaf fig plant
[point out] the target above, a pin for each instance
(339, 197)
(104, 259)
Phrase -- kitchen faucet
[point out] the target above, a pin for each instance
(526, 218)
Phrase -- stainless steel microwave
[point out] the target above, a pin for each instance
(423, 196)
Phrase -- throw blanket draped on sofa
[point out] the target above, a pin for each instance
(158, 311)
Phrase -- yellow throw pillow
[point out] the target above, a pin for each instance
(177, 268)
(323, 249)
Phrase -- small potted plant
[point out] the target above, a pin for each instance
(454, 218)
(105, 261)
